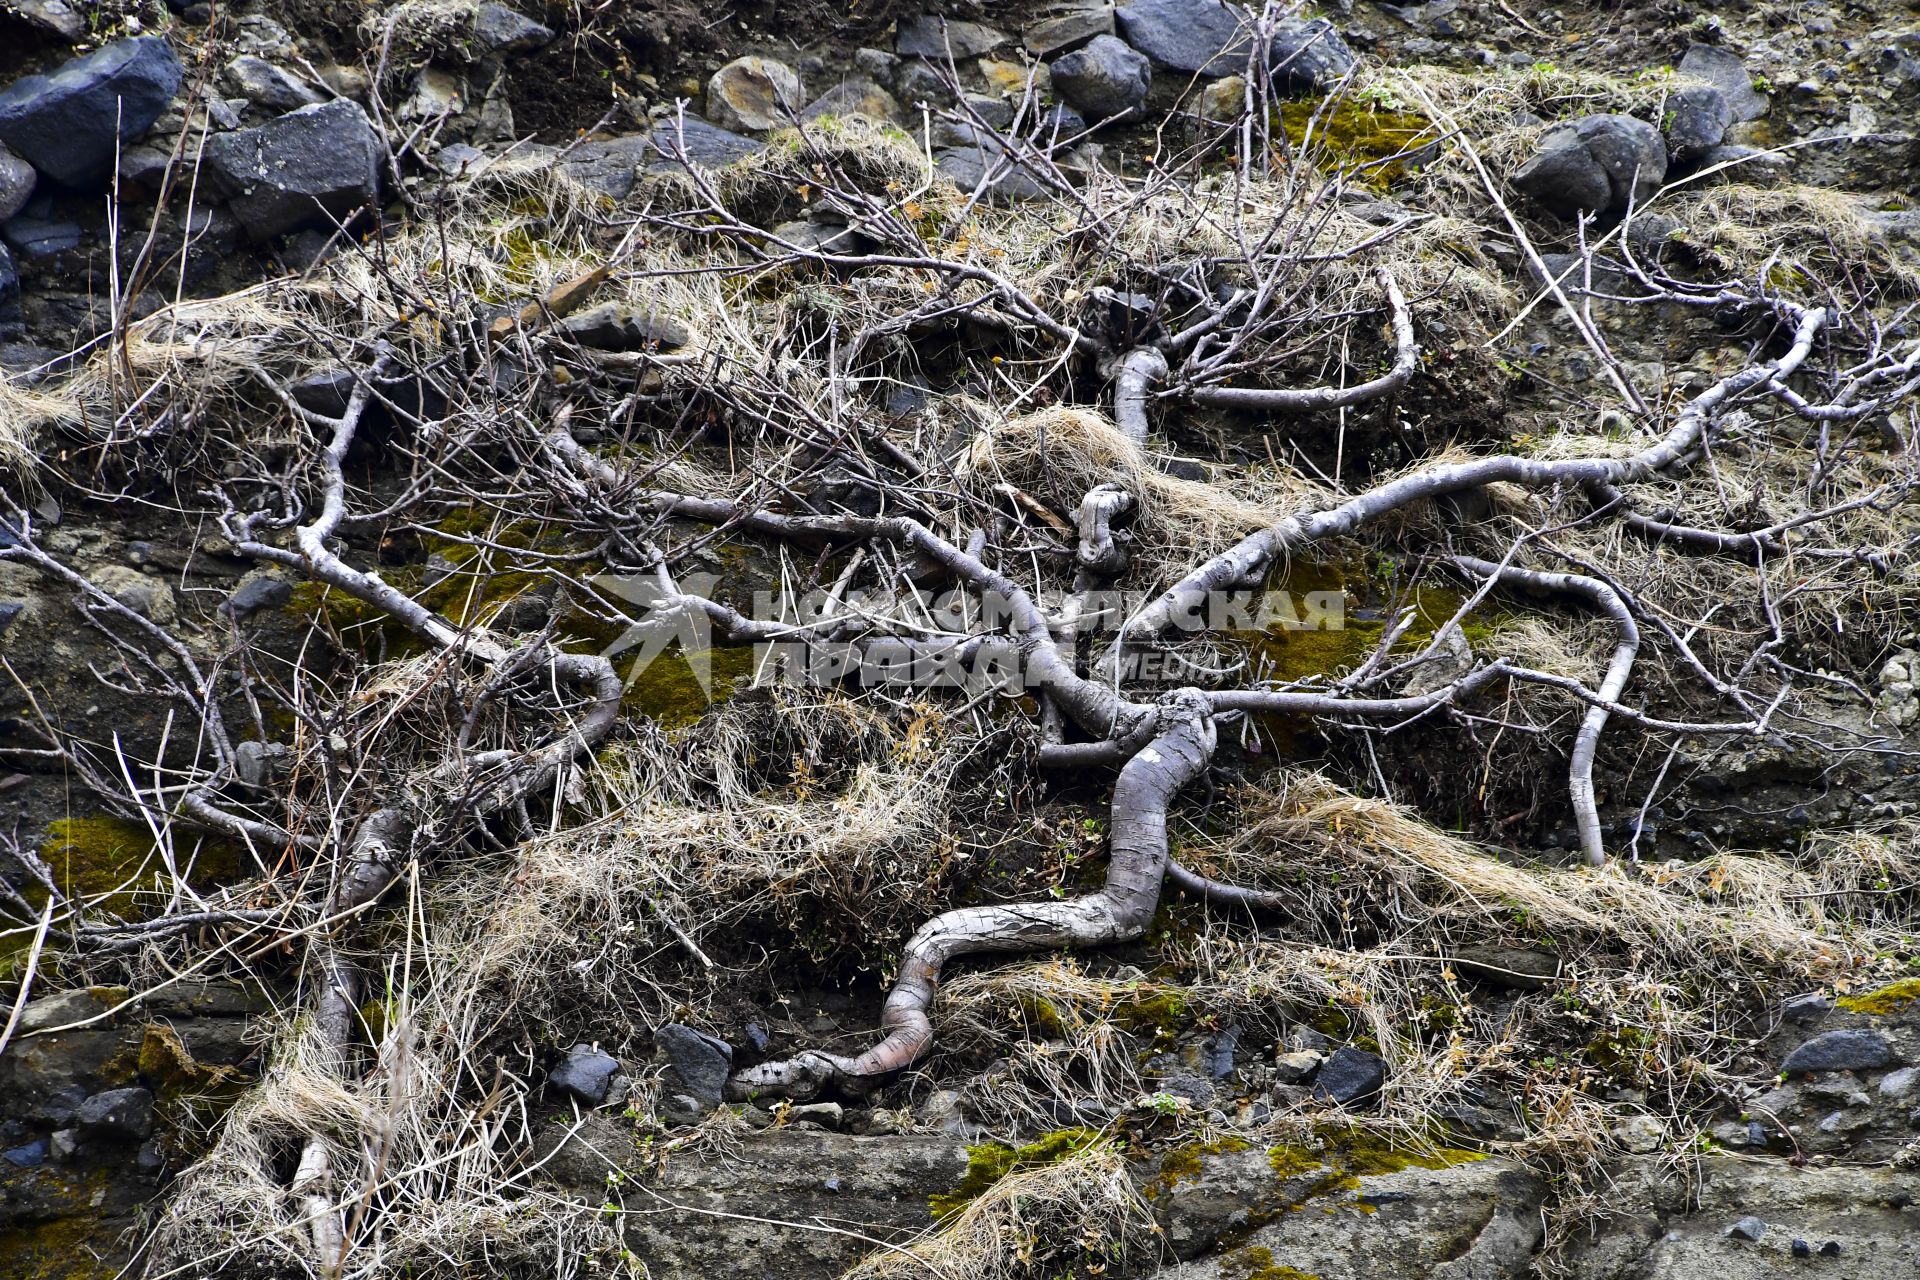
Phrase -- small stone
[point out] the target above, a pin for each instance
(262, 83)
(69, 125)
(943, 1110)
(435, 93)
(684, 1109)
(1105, 79)
(698, 1064)
(1350, 1076)
(1749, 1229)
(149, 597)
(1013, 79)
(585, 1074)
(17, 179)
(148, 1159)
(828, 1115)
(1514, 968)
(259, 764)
(1298, 1066)
(1831, 1249)
(1722, 70)
(1801, 1249)
(1810, 1007)
(931, 36)
(1901, 1084)
(1640, 1134)
(57, 17)
(968, 168)
(498, 29)
(614, 326)
(263, 591)
(1756, 1134)
(64, 1145)
(117, 1113)
(1840, 1051)
(10, 611)
(41, 237)
(1223, 100)
(754, 93)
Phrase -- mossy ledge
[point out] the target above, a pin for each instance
(990, 1162)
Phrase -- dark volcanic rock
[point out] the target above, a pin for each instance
(1724, 72)
(117, 1113)
(965, 167)
(1841, 1051)
(1187, 35)
(931, 36)
(697, 1064)
(614, 326)
(1595, 164)
(498, 29)
(17, 179)
(585, 1074)
(1697, 121)
(309, 168)
(1104, 79)
(41, 238)
(69, 124)
(1351, 1075)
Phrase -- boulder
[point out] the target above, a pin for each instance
(1724, 72)
(498, 29)
(931, 36)
(1065, 29)
(1104, 79)
(1595, 164)
(967, 168)
(754, 93)
(309, 168)
(16, 183)
(69, 124)
(585, 1074)
(1211, 38)
(1856, 1050)
(1350, 1076)
(1307, 55)
(855, 97)
(265, 85)
(1697, 118)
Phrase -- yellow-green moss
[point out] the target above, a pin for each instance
(62, 1249)
(1290, 1160)
(1367, 1154)
(1184, 1163)
(1888, 999)
(1255, 1262)
(1357, 138)
(989, 1162)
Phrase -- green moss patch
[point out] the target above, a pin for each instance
(990, 1162)
(1891, 998)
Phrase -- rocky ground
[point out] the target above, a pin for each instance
(149, 153)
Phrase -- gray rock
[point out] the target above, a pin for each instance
(28, 1156)
(1515, 968)
(754, 93)
(142, 169)
(16, 183)
(1749, 1228)
(1307, 55)
(58, 17)
(1697, 120)
(815, 237)
(263, 84)
(1062, 30)
(263, 591)
(1900, 1085)
(1841, 1051)
(41, 238)
(968, 167)
(259, 764)
(1350, 1076)
(931, 36)
(64, 1144)
(309, 168)
(1595, 164)
(1752, 163)
(614, 326)
(1297, 1066)
(69, 124)
(585, 1074)
(828, 1115)
(702, 143)
(1104, 79)
(1810, 1007)
(1203, 36)
(1722, 70)
(117, 1113)
(855, 97)
(498, 29)
(697, 1064)
(10, 611)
